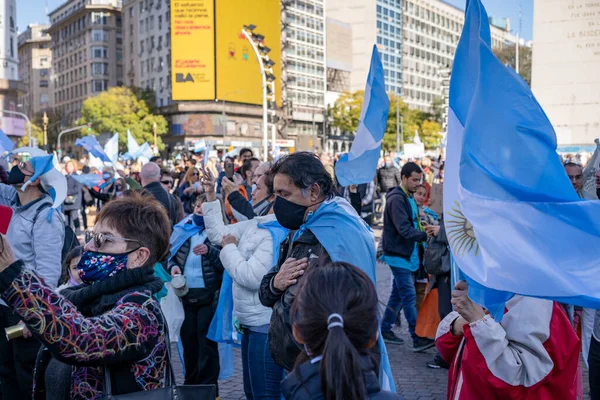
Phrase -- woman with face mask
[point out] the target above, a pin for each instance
(110, 325)
(247, 255)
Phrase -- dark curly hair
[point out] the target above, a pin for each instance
(305, 169)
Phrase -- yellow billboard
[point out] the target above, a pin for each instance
(238, 72)
(193, 49)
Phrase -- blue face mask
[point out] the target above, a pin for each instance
(95, 266)
(198, 220)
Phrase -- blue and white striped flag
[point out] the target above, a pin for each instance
(514, 222)
(360, 164)
(90, 143)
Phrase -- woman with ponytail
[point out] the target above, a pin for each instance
(335, 317)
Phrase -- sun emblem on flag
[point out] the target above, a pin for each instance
(460, 232)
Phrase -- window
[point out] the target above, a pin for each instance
(99, 85)
(44, 83)
(100, 18)
(99, 68)
(44, 72)
(99, 52)
(119, 54)
(99, 35)
(131, 11)
(44, 98)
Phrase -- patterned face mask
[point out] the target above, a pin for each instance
(95, 266)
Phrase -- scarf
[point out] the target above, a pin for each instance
(181, 233)
(93, 300)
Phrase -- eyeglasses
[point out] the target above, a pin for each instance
(195, 174)
(166, 182)
(100, 238)
(23, 167)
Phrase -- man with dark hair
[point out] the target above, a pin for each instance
(245, 154)
(322, 228)
(402, 233)
(167, 181)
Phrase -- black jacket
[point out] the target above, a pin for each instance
(240, 204)
(304, 383)
(284, 348)
(388, 178)
(73, 200)
(399, 233)
(212, 272)
(160, 194)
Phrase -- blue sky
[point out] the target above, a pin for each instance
(32, 11)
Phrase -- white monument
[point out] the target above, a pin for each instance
(566, 67)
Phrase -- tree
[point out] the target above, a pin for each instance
(119, 109)
(346, 111)
(508, 56)
(346, 115)
(36, 132)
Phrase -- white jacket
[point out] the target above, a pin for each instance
(247, 262)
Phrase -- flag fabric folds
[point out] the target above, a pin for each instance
(111, 148)
(360, 164)
(514, 222)
(132, 146)
(5, 143)
(90, 143)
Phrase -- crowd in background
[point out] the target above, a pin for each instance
(296, 254)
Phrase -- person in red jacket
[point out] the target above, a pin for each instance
(533, 353)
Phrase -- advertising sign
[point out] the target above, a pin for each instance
(238, 71)
(193, 47)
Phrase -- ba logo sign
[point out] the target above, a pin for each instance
(180, 78)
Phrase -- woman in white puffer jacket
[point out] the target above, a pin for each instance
(247, 255)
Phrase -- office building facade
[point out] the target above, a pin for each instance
(304, 69)
(147, 60)
(35, 61)
(87, 52)
(416, 38)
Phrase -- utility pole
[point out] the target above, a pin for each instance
(518, 34)
(155, 139)
(397, 125)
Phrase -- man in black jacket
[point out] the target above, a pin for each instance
(402, 233)
(387, 178)
(151, 182)
(301, 184)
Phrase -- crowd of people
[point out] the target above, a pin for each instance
(87, 253)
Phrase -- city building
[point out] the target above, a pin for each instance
(87, 52)
(147, 44)
(565, 74)
(416, 39)
(10, 87)
(305, 72)
(339, 71)
(35, 60)
(226, 109)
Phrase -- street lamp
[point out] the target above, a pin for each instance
(257, 41)
(58, 149)
(24, 116)
(45, 125)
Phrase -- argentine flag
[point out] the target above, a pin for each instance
(90, 143)
(514, 222)
(360, 164)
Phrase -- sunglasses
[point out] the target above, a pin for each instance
(195, 174)
(23, 167)
(166, 182)
(100, 239)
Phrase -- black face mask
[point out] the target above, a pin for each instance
(289, 215)
(16, 176)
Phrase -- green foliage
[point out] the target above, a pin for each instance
(346, 115)
(508, 56)
(36, 132)
(119, 109)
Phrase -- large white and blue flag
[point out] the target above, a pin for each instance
(132, 145)
(360, 164)
(90, 143)
(111, 148)
(514, 222)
